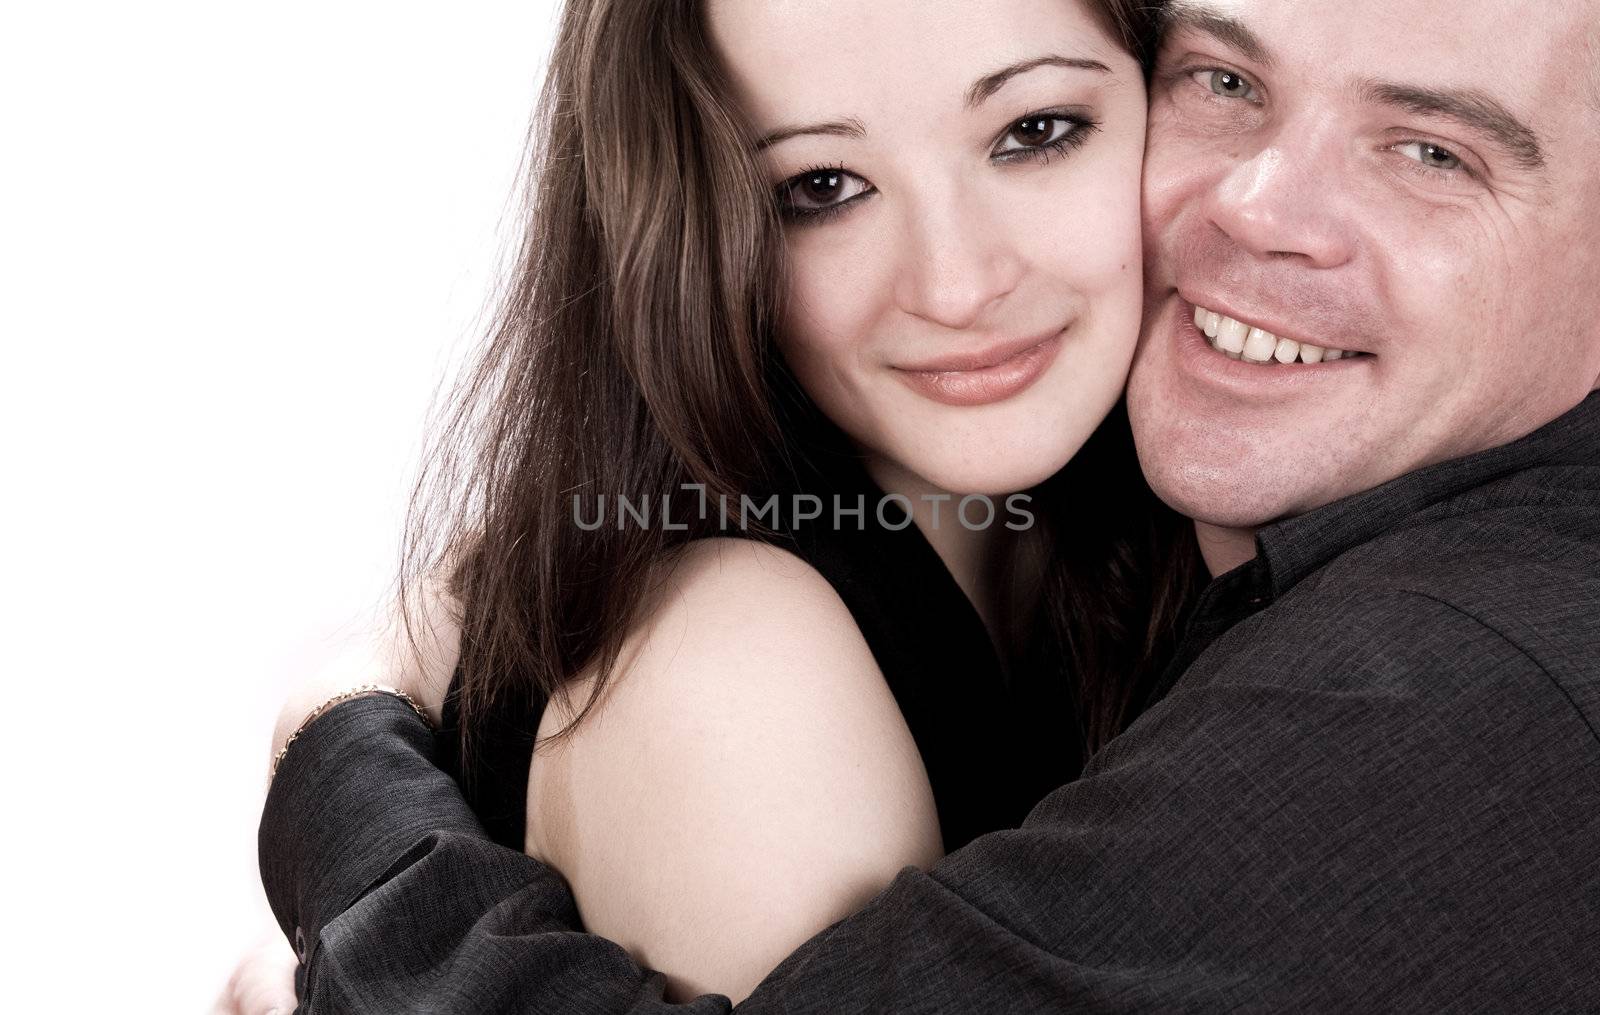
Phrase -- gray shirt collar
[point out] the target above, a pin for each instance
(1290, 549)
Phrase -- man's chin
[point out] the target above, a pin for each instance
(1244, 469)
(1230, 494)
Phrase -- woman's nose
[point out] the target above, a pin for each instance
(956, 261)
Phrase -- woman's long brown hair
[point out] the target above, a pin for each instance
(631, 354)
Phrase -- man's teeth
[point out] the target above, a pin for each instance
(1238, 340)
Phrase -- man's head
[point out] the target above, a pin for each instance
(1417, 184)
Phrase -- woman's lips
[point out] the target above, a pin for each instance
(986, 377)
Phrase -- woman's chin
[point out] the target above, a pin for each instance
(1006, 448)
(982, 472)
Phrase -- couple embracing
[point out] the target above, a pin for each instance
(1282, 318)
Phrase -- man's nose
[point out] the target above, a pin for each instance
(957, 260)
(1284, 202)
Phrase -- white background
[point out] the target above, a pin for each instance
(240, 246)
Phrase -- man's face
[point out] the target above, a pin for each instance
(1414, 184)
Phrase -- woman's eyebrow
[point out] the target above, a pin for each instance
(981, 90)
(849, 127)
(990, 83)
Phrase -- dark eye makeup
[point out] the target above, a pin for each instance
(820, 193)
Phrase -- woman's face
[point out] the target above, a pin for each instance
(960, 183)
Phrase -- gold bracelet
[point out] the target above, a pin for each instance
(354, 692)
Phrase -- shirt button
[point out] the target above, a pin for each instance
(300, 943)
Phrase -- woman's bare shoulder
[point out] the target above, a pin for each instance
(745, 779)
(725, 604)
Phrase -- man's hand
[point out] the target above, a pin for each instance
(263, 981)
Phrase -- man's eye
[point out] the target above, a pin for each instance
(1227, 83)
(1431, 155)
(1036, 131)
(819, 190)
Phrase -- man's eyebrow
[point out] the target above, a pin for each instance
(990, 83)
(1470, 107)
(849, 127)
(1197, 17)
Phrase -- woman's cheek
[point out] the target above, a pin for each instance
(1110, 211)
(819, 340)
(840, 288)
(1107, 250)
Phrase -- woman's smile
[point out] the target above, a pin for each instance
(984, 377)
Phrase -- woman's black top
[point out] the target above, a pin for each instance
(994, 739)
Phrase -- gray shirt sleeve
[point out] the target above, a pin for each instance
(1375, 820)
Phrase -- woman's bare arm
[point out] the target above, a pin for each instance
(747, 691)
(745, 781)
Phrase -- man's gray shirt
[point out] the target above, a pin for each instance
(1371, 783)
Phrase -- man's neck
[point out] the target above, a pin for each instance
(1224, 549)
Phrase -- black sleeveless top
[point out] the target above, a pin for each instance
(993, 739)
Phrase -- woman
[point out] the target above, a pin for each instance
(798, 252)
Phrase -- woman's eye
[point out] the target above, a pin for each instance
(1431, 155)
(819, 190)
(1228, 84)
(1034, 132)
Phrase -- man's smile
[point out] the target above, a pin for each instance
(1239, 340)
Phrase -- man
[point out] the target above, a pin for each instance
(1373, 782)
